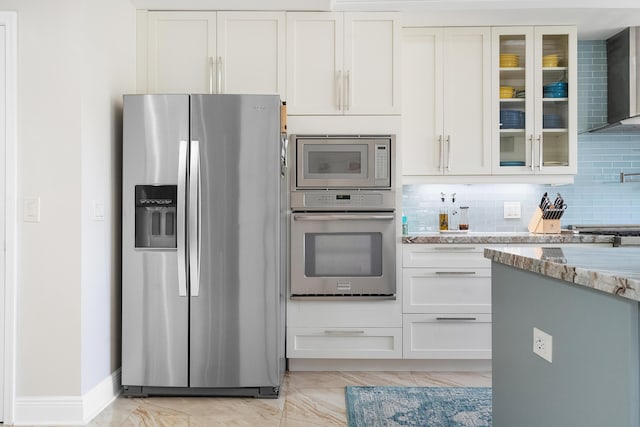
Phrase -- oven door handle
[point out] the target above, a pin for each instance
(334, 217)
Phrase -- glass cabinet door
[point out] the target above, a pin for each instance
(535, 100)
(556, 101)
(513, 56)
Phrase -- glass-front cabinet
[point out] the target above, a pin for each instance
(534, 100)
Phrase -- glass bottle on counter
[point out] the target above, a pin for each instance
(464, 218)
(443, 216)
(405, 225)
(453, 213)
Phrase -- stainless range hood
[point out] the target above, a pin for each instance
(623, 89)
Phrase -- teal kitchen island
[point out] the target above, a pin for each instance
(586, 300)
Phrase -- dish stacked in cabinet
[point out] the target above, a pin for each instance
(446, 302)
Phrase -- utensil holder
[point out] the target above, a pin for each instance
(538, 225)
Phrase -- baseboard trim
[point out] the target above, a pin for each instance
(426, 365)
(67, 410)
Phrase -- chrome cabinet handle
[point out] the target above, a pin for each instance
(211, 61)
(347, 94)
(194, 218)
(448, 153)
(441, 165)
(456, 318)
(343, 332)
(533, 153)
(455, 273)
(180, 218)
(540, 151)
(219, 72)
(453, 248)
(339, 89)
(333, 217)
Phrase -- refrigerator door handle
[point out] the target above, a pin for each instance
(180, 217)
(194, 218)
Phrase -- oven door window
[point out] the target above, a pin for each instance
(334, 161)
(343, 254)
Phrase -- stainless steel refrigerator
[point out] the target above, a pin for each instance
(203, 245)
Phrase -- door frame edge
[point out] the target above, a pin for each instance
(10, 20)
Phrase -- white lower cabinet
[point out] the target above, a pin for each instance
(344, 343)
(446, 302)
(344, 329)
(447, 336)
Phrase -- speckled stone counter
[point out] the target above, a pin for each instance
(505, 238)
(612, 270)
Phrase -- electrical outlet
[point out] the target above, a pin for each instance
(512, 209)
(542, 344)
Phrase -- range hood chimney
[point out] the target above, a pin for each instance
(623, 88)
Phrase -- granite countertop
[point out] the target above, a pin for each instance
(612, 270)
(505, 238)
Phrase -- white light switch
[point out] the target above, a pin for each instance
(31, 209)
(98, 211)
(512, 209)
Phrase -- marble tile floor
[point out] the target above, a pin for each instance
(306, 399)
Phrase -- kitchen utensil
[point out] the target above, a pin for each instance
(541, 205)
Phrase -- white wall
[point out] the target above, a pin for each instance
(75, 59)
(108, 61)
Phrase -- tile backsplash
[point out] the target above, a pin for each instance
(595, 197)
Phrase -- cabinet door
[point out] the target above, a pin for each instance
(555, 108)
(513, 100)
(545, 139)
(422, 101)
(314, 63)
(371, 63)
(251, 53)
(344, 343)
(180, 48)
(447, 336)
(467, 100)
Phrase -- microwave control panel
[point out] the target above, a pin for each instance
(382, 161)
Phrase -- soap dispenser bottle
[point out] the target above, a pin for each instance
(443, 216)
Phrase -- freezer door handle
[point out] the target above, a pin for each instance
(180, 216)
(194, 218)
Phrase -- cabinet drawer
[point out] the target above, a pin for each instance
(447, 336)
(344, 343)
(446, 290)
(442, 256)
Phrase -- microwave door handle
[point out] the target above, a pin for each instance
(194, 218)
(332, 217)
(180, 218)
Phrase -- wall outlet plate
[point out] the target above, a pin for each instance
(543, 344)
(512, 209)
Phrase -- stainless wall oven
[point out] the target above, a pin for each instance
(343, 236)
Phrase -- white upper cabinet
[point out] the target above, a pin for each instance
(178, 52)
(209, 52)
(251, 52)
(342, 63)
(446, 101)
(535, 100)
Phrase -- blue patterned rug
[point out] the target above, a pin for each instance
(418, 406)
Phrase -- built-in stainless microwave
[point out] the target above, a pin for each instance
(339, 161)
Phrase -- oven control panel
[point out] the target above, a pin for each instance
(348, 200)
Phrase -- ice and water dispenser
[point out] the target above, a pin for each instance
(156, 216)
